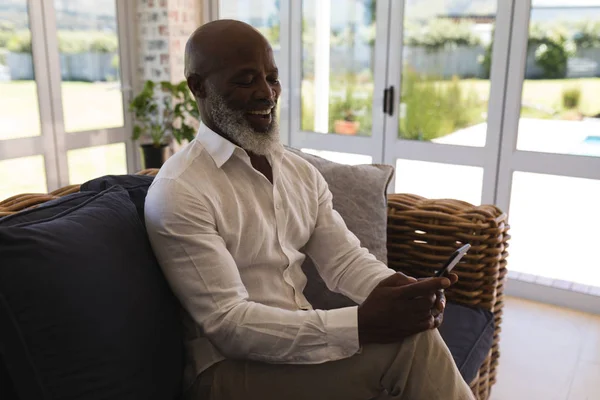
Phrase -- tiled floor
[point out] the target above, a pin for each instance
(548, 353)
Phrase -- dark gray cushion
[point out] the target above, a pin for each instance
(136, 185)
(43, 211)
(85, 312)
(46, 210)
(7, 389)
(360, 197)
(469, 334)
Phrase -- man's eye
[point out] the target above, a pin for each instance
(245, 81)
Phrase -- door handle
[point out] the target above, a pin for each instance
(385, 100)
(388, 101)
(390, 97)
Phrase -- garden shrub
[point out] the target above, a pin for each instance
(69, 42)
(440, 33)
(571, 98)
(20, 42)
(433, 107)
(4, 38)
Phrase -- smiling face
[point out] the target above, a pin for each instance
(238, 94)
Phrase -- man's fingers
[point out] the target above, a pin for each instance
(429, 300)
(398, 279)
(426, 324)
(440, 303)
(438, 320)
(422, 288)
(453, 278)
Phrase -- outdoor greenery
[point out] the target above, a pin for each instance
(553, 47)
(554, 43)
(440, 33)
(434, 107)
(69, 42)
(587, 34)
(163, 113)
(571, 97)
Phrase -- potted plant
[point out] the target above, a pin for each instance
(160, 116)
(347, 126)
(343, 109)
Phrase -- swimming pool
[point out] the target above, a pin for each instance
(590, 146)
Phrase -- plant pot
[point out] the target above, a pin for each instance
(154, 157)
(343, 127)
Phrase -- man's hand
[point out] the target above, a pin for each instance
(440, 302)
(398, 307)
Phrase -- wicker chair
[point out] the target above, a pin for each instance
(421, 234)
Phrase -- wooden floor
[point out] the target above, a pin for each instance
(548, 353)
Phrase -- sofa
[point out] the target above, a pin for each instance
(85, 312)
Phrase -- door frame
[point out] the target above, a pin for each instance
(66, 141)
(44, 143)
(360, 145)
(53, 142)
(483, 157)
(512, 160)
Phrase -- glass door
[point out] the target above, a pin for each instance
(91, 82)
(338, 59)
(64, 86)
(549, 176)
(446, 92)
(27, 151)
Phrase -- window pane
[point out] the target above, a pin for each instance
(341, 158)
(22, 175)
(19, 110)
(439, 181)
(92, 162)
(446, 70)
(261, 14)
(338, 56)
(554, 227)
(88, 46)
(560, 110)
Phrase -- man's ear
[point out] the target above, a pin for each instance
(196, 85)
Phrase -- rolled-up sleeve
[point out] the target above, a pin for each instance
(344, 265)
(204, 276)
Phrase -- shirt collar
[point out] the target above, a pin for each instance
(221, 149)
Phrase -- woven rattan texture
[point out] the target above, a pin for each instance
(422, 233)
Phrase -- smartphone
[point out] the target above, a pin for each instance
(453, 260)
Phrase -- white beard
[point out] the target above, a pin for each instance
(234, 124)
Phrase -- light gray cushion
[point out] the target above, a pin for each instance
(360, 197)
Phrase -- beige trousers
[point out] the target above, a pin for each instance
(421, 367)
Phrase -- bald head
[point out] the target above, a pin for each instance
(230, 69)
(216, 43)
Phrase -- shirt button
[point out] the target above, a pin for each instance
(278, 206)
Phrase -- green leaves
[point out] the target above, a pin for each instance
(163, 110)
(440, 33)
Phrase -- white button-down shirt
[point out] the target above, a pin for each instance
(231, 245)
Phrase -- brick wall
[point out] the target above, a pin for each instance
(163, 29)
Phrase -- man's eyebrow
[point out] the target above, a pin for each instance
(254, 71)
(246, 71)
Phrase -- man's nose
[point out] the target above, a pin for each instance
(265, 91)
